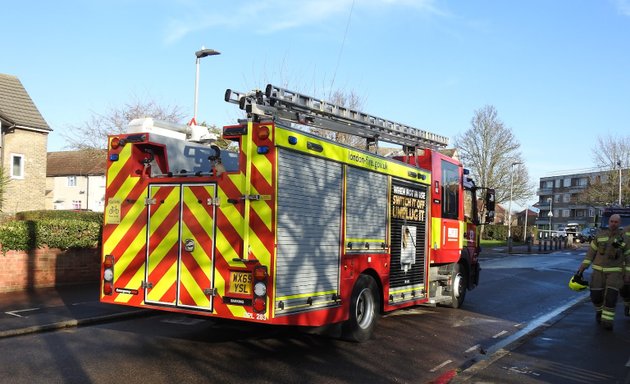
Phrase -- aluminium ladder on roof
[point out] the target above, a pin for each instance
(292, 106)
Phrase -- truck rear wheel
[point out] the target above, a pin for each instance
(459, 285)
(364, 307)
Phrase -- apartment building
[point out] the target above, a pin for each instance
(559, 195)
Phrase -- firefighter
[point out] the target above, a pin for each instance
(608, 255)
(625, 291)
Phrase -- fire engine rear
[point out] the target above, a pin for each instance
(289, 228)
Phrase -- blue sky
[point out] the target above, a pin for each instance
(557, 71)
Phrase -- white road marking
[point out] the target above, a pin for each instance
(447, 362)
(473, 348)
(499, 334)
(17, 312)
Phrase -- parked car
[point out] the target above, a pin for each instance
(560, 232)
(586, 235)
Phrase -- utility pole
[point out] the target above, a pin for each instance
(509, 240)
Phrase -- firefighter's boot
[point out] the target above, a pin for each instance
(626, 310)
(608, 318)
(598, 317)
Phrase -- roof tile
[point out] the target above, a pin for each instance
(16, 105)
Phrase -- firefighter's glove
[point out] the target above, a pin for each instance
(618, 242)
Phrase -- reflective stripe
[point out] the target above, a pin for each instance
(587, 262)
(608, 315)
(606, 269)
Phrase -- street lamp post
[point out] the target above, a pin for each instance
(510, 207)
(619, 165)
(550, 214)
(200, 54)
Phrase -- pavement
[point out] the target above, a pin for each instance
(568, 347)
(47, 309)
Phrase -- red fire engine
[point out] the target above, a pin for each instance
(290, 228)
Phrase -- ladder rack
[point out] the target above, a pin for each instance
(297, 108)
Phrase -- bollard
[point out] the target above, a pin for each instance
(529, 244)
(539, 245)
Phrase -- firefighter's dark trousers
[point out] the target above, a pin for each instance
(625, 294)
(605, 288)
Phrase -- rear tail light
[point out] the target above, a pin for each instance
(108, 274)
(260, 278)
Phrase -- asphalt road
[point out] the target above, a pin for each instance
(517, 294)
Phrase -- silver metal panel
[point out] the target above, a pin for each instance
(309, 228)
(192, 157)
(366, 205)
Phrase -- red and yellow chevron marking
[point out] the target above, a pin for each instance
(245, 230)
(155, 251)
(196, 264)
(126, 239)
(178, 275)
(163, 244)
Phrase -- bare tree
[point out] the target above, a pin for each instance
(349, 100)
(610, 150)
(4, 183)
(492, 153)
(612, 156)
(93, 132)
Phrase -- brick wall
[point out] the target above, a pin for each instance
(45, 267)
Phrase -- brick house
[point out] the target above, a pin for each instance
(76, 180)
(23, 143)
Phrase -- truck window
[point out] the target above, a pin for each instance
(450, 190)
(469, 212)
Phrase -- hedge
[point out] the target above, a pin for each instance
(55, 229)
(500, 232)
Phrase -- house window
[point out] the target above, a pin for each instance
(72, 181)
(76, 204)
(583, 182)
(566, 198)
(17, 166)
(566, 213)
